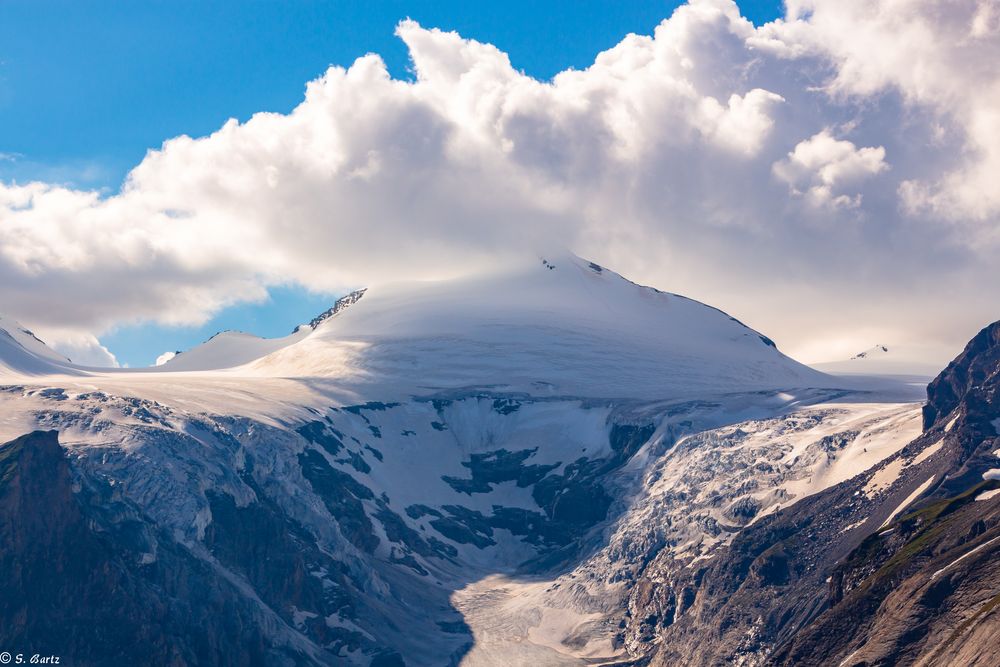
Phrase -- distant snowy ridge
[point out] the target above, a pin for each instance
(227, 349)
(883, 359)
(23, 353)
(871, 352)
(30, 341)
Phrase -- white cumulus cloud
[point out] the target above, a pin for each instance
(821, 167)
(825, 170)
(81, 348)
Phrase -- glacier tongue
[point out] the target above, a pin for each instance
(479, 510)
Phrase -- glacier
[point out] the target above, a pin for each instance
(468, 471)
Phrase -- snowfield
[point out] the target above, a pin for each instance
(227, 349)
(479, 464)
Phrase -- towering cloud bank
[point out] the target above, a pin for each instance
(840, 160)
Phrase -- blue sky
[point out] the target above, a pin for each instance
(87, 87)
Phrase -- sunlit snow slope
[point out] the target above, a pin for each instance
(227, 349)
(549, 327)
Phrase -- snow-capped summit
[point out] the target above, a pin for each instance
(555, 326)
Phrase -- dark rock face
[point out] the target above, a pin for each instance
(73, 582)
(341, 304)
(275, 557)
(971, 380)
(811, 585)
(342, 495)
(499, 466)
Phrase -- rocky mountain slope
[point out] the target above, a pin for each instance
(77, 581)
(898, 565)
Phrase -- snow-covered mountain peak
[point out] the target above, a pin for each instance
(29, 340)
(230, 348)
(23, 353)
(556, 325)
(872, 352)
